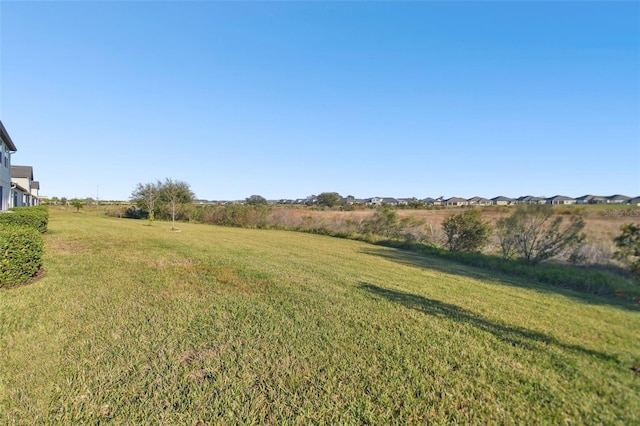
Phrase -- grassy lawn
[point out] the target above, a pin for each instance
(133, 324)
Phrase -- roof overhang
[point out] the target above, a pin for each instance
(6, 138)
(22, 172)
(19, 187)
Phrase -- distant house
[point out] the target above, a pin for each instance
(530, 199)
(407, 201)
(378, 201)
(455, 201)
(618, 199)
(427, 201)
(349, 199)
(390, 201)
(479, 201)
(373, 201)
(502, 201)
(22, 182)
(7, 148)
(561, 200)
(591, 199)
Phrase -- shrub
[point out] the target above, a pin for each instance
(628, 244)
(21, 249)
(135, 213)
(533, 234)
(384, 223)
(35, 217)
(240, 215)
(466, 231)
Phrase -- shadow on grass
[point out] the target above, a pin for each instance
(420, 260)
(516, 336)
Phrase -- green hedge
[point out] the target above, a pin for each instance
(21, 250)
(36, 217)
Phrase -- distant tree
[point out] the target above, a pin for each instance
(175, 193)
(145, 197)
(54, 200)
(329, 199)
(256, 200)
(535, 236)
(628, 244)
(64, 201)
(77, 204)
(466, 231)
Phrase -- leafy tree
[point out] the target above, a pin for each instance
(329, 199)
(77, 204)
(628, 244)
(466, 231)
(256, 200)
(534, 235)
(175, 193)
(145, 197)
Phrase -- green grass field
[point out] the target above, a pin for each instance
(133, 324)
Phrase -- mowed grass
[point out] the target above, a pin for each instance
(133, 324)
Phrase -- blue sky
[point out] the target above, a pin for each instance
(288, 99)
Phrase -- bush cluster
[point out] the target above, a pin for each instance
(35, 217)
(21, 243)
(21, 249)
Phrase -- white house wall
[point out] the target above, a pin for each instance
(5, 177)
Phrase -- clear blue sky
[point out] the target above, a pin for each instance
(288, 99)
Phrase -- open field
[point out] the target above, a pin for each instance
(602, 223)
(133, 324)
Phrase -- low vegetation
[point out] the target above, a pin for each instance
(628, 244)
(546, 244)
(21, 244)
(466, 231)
(134, 324)
(21, 250)
(34, 217)
(534, 234)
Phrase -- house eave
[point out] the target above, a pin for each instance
(7, 139)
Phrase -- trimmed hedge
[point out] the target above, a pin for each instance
(21, 250)
(36, 217)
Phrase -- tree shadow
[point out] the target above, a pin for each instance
(516, 336)
(446, 266)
